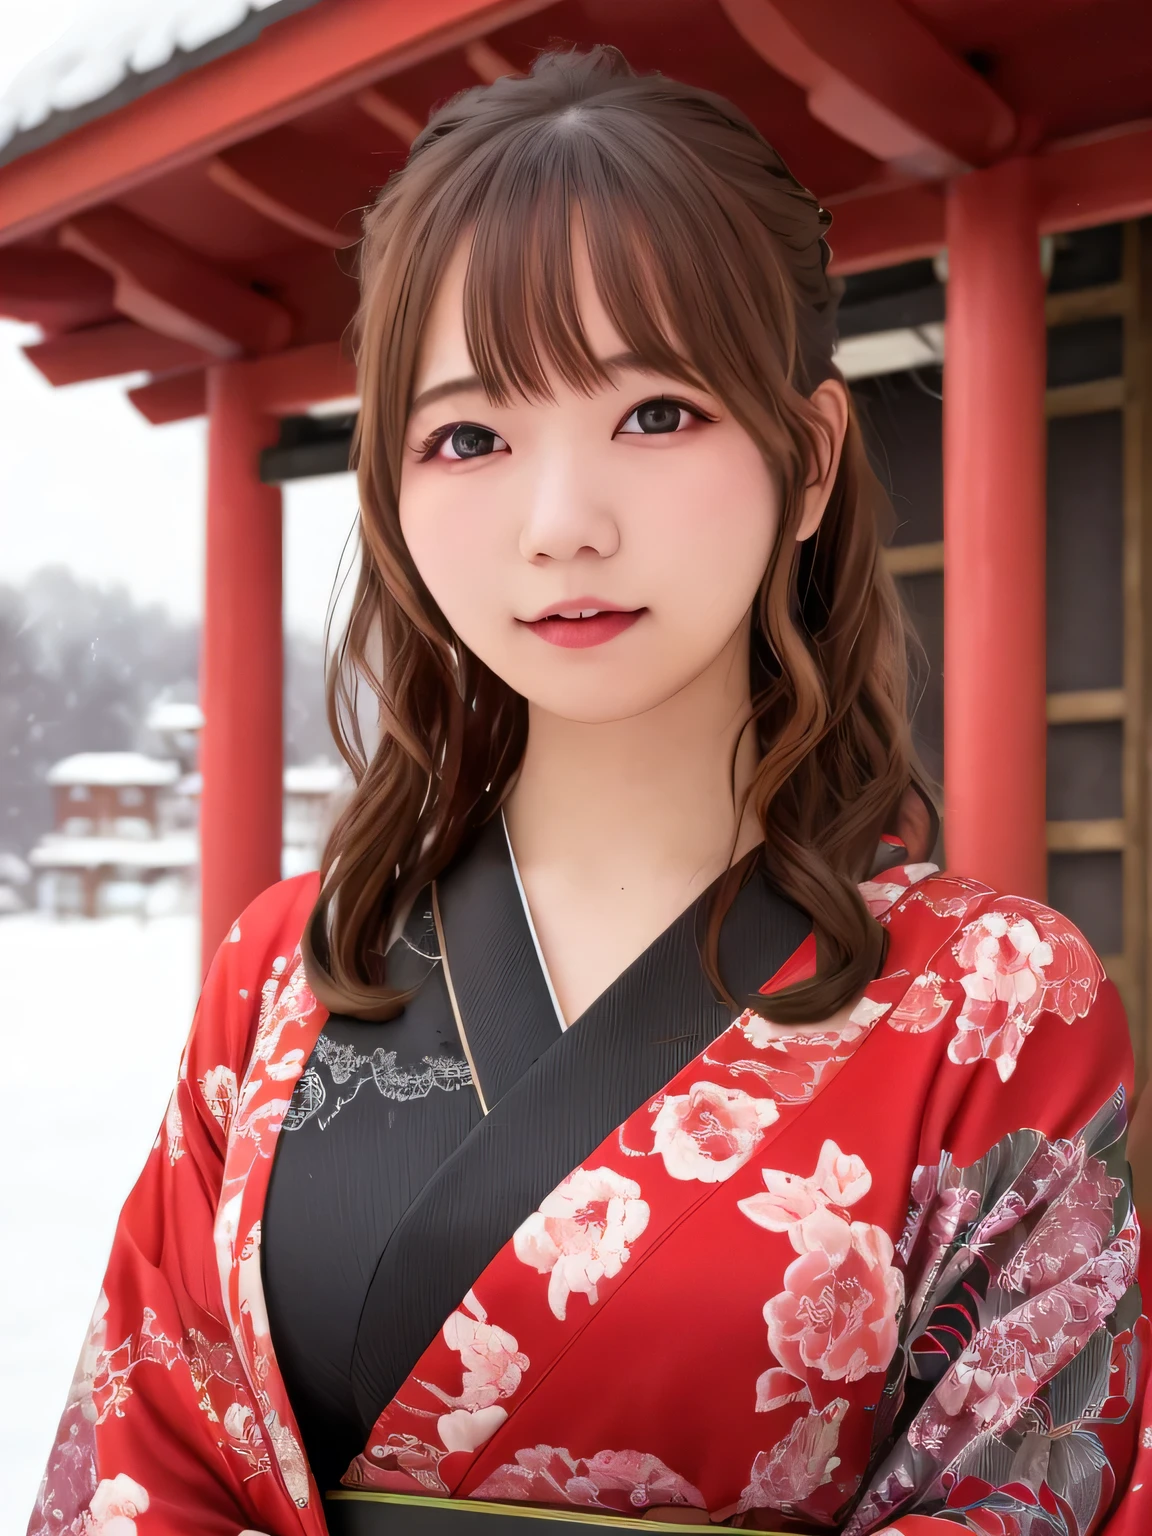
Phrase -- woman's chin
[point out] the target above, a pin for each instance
(599, 700)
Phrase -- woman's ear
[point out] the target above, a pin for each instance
(831, 400)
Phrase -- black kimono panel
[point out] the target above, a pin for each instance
(392, 1188)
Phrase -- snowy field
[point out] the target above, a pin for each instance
(93, 1027)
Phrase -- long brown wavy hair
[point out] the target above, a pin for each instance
(711, 261)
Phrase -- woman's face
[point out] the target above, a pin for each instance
(643, 507)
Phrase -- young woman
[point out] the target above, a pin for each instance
(628, 1126)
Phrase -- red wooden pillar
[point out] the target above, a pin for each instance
(994, 534)
(242, 660)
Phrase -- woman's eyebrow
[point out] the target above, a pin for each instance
(470, 384)
(465, 386)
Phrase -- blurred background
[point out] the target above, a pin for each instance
(179, 185)
(101, 608)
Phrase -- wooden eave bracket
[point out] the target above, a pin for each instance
(887, 227)
(285, 383)
(168, 289)
(103, 351)
(173, 397)
(1095, 179)
(875, 75)
(399, 122)
(51, 288)
(293, 181)
(487, 62)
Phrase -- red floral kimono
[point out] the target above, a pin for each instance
(874, 1279)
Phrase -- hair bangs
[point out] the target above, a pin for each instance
(522, 318)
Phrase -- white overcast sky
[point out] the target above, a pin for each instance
(85, 481)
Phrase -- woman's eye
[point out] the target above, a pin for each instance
(468, 442)
(659, 416)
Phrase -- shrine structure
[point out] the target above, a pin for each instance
(196, 221)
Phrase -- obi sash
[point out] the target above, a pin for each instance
(352, 1513)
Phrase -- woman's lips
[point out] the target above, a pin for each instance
(575, 634)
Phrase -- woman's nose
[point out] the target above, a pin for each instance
(566, 512)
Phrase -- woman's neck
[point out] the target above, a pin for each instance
(648, 799)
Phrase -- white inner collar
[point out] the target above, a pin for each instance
(532, 927)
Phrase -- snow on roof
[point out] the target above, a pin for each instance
(118, 50)
(315, 779)
(171, 715)
(304, 779)
(121, 768)
(56, 851)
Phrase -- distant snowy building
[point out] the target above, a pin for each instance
(114, 833)
(175, 716)
(125, 822)
(313, 795)
(176, 725)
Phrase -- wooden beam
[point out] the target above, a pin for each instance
(54, 289)
(286, 383)
(879, 78)
(1105, 178)
(104, 351)
(290, 383)
(303, 62)
(165, 287)
(178, 397)
(1086, 399)
(389, 114)
(484, 61)
(1088, 303)
(1103, 836)
(296, 183)
(914, 559)
(885, 228)
(1087, 706)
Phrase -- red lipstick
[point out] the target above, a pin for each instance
(603, 621)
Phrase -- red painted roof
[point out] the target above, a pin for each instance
(870, 104)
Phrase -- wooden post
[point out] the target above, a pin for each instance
(241, 685)
(995, 732)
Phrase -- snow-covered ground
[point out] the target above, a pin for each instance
(93, 1023)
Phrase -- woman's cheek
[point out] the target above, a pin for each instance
(452, 549)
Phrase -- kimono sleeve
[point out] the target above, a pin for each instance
(160, 1425)
(1015, 1400)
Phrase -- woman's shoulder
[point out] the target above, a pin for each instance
(274, 920)
(1023, 953)
(1005, 982)
(253, 959)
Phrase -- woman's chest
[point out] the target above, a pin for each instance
(714, 1291)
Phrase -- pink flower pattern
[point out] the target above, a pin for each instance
(625, 1481)
(1014, 1264)
(115, 1505)
(709, 1132)
(837, 1312)
(493, 1366)
(219, 1089)
(804, 1460)
(1018, 962)
(1015, 961)
(581, 1234)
